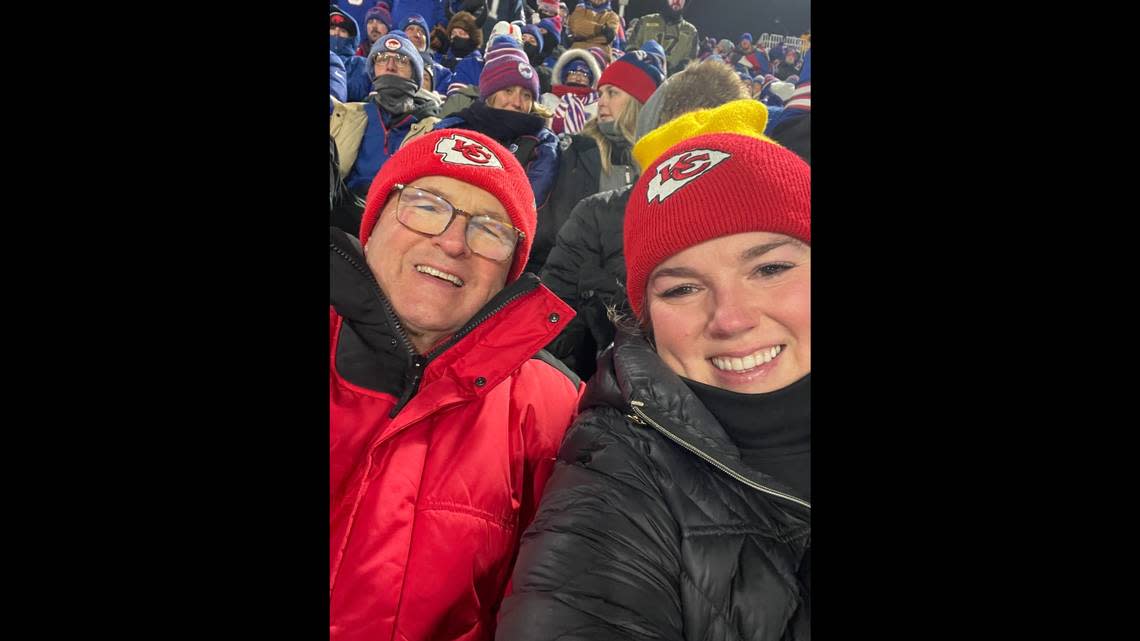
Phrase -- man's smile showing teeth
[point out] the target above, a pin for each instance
(732, 364)
(451, 278)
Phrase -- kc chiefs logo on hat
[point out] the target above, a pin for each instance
(461, 150)
(391, 44)
(337, 19)
(676, 172)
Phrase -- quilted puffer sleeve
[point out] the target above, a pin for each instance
(601, 561)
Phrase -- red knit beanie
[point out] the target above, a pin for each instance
(710, 186)
(467, 156)
(636, 73)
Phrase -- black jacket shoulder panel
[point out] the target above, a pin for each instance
(549, 359)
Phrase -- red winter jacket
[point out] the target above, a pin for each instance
(427, 506)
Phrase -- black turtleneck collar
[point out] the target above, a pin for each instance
(771, 430)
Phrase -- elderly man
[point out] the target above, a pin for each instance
(445, 413)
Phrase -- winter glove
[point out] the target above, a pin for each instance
(608, 33)
(439, 40)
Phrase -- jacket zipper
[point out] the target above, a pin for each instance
(469, 327)
(418, 362)
(637, 405)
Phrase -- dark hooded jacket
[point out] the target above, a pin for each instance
(653, 527)
(586, 268)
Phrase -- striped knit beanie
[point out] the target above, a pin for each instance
(506, 66)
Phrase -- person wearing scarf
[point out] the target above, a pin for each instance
(382, 122)
(598, 159)
(574, 96)
(507, 112)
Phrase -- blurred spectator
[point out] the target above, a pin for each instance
(344, 37)
(594, 24)
(574, 95)
(669, 26)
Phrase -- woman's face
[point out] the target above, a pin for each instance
(512, 99)
(611, 103)
(735, 312)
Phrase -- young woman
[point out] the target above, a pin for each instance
(507, 112)
(679, 507)
(599, 159)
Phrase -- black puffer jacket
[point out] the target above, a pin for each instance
(586, 269)
(579, 167)
(652, 527)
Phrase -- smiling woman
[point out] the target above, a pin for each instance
(687, 473)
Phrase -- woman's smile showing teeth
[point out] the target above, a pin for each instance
(749, 362)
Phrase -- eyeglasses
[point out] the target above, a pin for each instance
(402, 61)
(427, 213)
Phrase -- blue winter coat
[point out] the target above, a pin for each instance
(467, 71)
(431, 10)
(359, 81)
(338, 84)
(543, 166)
(440, 79)
(382, 138)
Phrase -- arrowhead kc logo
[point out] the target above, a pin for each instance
(461, 150)
(680, 170)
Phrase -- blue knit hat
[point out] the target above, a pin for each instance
(532, 29)
(397, 41)
(416, 19)
(548, 24)
(745, 36)
(657, 51)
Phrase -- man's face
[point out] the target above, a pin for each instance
(431, 307)
(392, 63)
(676, 5)
(339, 31)
(746, 45)
(417, 36)
(563, 11)
(457, 32)
(376, 29)
(529, 39)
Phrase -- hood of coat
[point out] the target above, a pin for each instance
(576, 54)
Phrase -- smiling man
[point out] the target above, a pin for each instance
(445, 413)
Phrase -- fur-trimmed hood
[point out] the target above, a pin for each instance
(466, 21)
(576, 54)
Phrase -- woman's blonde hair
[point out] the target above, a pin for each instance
(626, 123)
